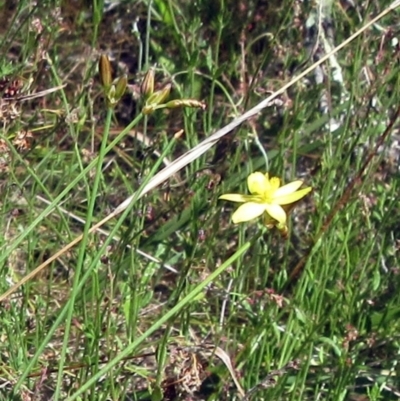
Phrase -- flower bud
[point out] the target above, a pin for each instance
(120, 87)
(147, 86)
(159, 97)
(116, 91)
(148, 109)
(192, 103)
(105, 71)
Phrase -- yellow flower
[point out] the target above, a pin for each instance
(267, 197)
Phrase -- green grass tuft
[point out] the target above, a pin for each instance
(116, 288)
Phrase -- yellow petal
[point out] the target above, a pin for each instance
(275, 183)
(238, 198)
(290, 197)
(288, 189)
(276, 212)
(258, 183)
(248, 211)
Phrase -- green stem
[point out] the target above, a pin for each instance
(82, 251)
(163, 319)
(82, 281)
(57, 200)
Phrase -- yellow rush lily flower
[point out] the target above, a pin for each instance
(267, 197)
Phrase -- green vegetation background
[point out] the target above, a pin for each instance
(172, 301)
